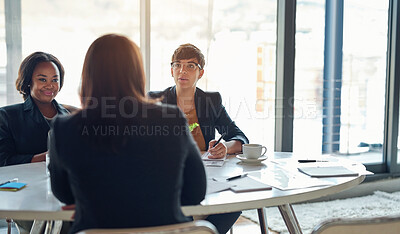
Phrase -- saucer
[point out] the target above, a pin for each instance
(248, 160)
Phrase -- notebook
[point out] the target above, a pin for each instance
(214, 186)
(330, 171)
(246, 184)
(212, 162)
(13, 186)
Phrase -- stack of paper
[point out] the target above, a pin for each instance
(248, 184)
(327, 171)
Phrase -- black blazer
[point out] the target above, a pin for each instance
(141, 180)
(210, 113)
(23, 132)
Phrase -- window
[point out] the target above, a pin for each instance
(362, 97)
(3, 55)
(67, 28)
(309, 66)
(238, 38)
(364, 78)
(238, 41)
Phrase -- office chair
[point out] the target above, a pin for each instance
(381, 225)
(194, 227)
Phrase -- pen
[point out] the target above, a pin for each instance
(13, 180)
(310, 160)
(220, 138)
(236, 177)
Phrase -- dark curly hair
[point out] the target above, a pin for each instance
(27, 67)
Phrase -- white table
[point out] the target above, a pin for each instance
(36, 202)
(228, 201)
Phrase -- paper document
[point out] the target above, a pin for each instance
(289, 179)
(213, 162)
(246, 184)
(214, 186)
(330, 171)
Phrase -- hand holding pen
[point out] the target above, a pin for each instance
(217, 149)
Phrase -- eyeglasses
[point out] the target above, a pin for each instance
(190, 67)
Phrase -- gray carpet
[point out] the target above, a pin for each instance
(311, 214)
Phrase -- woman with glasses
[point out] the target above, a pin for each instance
(203, 110)
(205, 114)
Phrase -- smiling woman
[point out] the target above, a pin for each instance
(24, 127)
(45, 86)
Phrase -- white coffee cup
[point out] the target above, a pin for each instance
(253, 151)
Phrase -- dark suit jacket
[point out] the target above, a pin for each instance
(141, 180)
(23, 132)
(210, 113)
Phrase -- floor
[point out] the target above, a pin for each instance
(246, 226)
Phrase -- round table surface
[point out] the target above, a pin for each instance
(281, 167)
(36, 200)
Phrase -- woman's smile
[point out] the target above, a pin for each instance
(48, 93)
